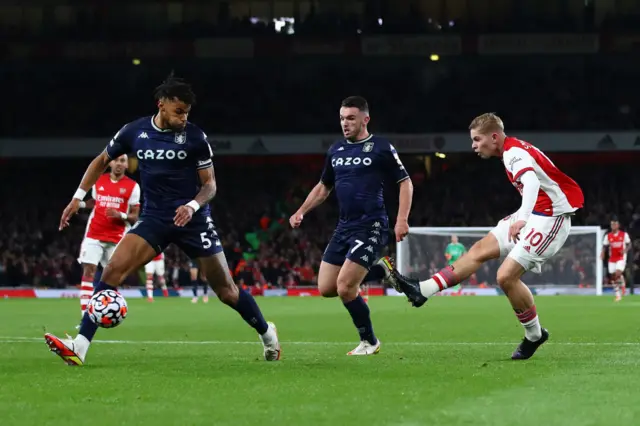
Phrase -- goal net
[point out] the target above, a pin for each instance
(575, 269)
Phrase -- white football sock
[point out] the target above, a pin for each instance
(150, 288)
(269, 336)
(81, 345)
(532, 329)
(429, 287)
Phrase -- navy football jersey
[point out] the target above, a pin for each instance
(168, 162)
(358, 171)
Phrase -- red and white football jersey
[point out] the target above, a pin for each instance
(115, 195)
(618, 243)
(559, 194)
(158, 257)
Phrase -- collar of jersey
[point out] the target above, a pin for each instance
(156, 127)
(357, 142)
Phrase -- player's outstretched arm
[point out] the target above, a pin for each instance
(95, 169)
(404, 207)
(318, 194)
(207, 191)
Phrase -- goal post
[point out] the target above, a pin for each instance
(575, 269)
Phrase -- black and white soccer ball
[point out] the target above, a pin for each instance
(107, 309)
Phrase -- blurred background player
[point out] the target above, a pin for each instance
(176, 171)
(116, 206)
(156, 269)
(198, 280)
(619, 244)
(358, 167)
(526, 239)
(452, 252)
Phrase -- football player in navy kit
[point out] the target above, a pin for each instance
(178, 182)
(358, 167)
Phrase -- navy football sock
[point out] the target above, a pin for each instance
(87, 327)
(195, 288)
(250, 312)
(205, 286)
(361, 317)
(376, 273)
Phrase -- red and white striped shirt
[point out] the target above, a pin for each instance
(618, 243)
(558, 194)
(109, 194)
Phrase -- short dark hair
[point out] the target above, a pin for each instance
(175, 88)
(356, 102)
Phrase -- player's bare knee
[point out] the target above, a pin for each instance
(347, 290)
(328, 291)
(506, 280)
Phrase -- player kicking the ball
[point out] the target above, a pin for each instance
(527, 238)
(358, 167)
(178, 181)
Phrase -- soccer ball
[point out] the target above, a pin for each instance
(107, 309)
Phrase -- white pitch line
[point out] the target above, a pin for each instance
(16, 339)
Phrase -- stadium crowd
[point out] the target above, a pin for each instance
(254, 203)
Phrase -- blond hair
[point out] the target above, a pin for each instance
(487, 122)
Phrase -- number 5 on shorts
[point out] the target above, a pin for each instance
(206, 242)
(357, 246)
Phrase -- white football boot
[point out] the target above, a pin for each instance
(271, 343)
(366, 348)
(65, 349)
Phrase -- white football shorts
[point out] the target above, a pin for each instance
(540, 239)
(94, 252)
(620, 265)
(155, 267)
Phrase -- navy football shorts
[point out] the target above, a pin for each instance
(360, 246)
(198, 238)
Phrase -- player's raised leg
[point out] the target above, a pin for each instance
(348, 286)
(131, 254)
(216, 270)
(419, 291)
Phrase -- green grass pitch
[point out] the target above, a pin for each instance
(174, 363)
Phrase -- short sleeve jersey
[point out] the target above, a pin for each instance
(358, 171)
(169, 162)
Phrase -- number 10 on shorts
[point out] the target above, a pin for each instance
(534, 237)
